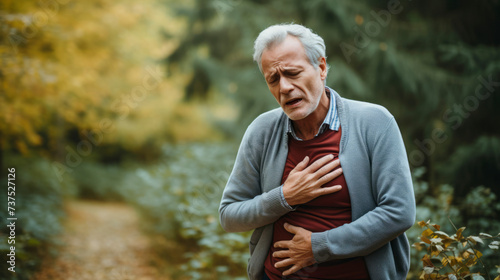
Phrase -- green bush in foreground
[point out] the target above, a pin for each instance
(180, 199)
(39, 211)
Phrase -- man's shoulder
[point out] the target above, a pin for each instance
(265, 126)
(267, 120)
(263, 129)
(363, 110)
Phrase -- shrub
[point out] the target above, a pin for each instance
(454, 256)
(39, 211)
(479, 210)
(180, 199)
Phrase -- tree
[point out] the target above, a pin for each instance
(434, 65)
(81, 77)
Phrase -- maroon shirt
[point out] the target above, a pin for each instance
(318, 215)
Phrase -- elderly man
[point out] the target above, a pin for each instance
(313, 219)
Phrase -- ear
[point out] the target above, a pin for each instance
(323, 68)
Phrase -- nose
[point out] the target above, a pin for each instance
(285, 86)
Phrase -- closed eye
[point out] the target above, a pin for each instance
(273, 79)
(293, 73)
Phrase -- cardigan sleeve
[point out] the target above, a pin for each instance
(390, 185)
(244, 206)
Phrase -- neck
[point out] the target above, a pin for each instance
(308, 127)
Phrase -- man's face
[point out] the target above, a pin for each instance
(293, 81)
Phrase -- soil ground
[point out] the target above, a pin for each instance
(102, 240)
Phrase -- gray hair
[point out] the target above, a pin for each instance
(313, 44)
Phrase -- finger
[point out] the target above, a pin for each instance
(284, 244)
(327, 168)
(320, 162)
(301, 165)
(291, 270)
(328, 190)
(284, 263)
(291, 228)
(330, 176)
(282, 254)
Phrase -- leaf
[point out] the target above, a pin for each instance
(425, 239)
(426, 260)
(436, 240)
(436, 226)
(448, 242)
(453, 260)
(436, 262)
(445, 261)
(459, 233)
(435, 251)
(478, 254)
(422, 224)
(485, 235)
(439, 248)
(475, 239)
(493, 247)
(427, 232)
(441, 233)
(419, 245)
(428, 269)
(466, 254)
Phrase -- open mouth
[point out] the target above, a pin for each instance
(294, 101)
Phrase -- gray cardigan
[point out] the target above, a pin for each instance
(375, 166)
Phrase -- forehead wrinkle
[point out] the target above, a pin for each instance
(271, 72)
(282, 62)
(281, 66)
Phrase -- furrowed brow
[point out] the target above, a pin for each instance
(271, 75)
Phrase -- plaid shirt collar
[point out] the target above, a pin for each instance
(331, 121)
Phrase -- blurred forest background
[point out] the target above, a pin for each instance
(145, 102)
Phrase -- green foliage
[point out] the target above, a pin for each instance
(478, 210)
(180, 198)
(103, 181)
(67, 67)
(39, 212)
(436, 67)
(453, 256)
(480, 167)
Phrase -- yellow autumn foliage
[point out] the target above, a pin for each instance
(68, 66)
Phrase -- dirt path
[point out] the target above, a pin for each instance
(102, 241)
